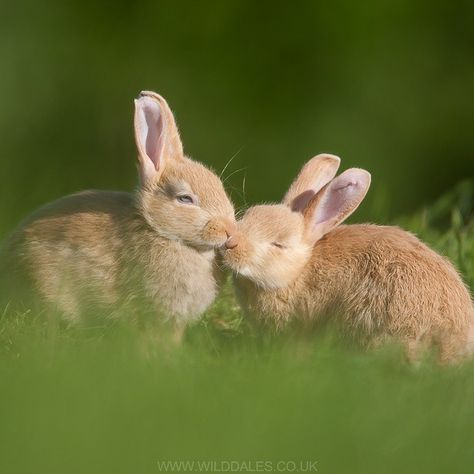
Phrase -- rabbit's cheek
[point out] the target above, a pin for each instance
(279, 275)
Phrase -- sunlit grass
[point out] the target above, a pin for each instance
(113, 398)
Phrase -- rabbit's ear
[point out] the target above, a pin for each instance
(156, 135)
(336, 202)
(315, 174)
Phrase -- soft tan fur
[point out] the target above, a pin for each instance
(381, 282)
(100, 248)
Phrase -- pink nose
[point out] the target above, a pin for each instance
(231, 242)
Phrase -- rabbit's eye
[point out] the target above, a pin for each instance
(185, 199)
(277, 244)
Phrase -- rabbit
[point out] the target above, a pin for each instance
(157, 245)
(293, 260)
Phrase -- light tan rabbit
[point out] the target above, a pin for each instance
(106, 248)
(292, 260)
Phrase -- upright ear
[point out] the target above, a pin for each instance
(314, 175)
(156, 136)
(336, 202)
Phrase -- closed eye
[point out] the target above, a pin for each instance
(277, 244)
(185, 199)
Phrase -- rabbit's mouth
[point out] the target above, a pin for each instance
(204, 246)
(233, 259)
(218, 244)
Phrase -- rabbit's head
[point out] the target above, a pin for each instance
(180, 198)
(275, 242)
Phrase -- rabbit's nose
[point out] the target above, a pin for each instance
(230, 228)
(232, 242)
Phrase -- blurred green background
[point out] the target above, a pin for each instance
(388, 86)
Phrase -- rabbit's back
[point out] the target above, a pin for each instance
(384, 281)
(69, 251)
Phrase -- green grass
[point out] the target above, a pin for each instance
(108, 400)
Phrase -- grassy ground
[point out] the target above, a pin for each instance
(106, 400)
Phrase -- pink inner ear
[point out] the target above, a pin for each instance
(341, 197)
(338, 199)
(151, 130)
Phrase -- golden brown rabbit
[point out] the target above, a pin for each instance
(106, 248)
(292, 260)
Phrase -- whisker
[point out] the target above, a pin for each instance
(234, 172)
(244, 180)
(230, 160)
(233, 190)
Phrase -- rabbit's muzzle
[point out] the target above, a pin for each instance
(219, 231)
(237, 252)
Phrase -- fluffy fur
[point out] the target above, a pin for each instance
(292, 261)
(100, 248)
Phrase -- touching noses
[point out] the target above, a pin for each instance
(232, 241)
(232, 236)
